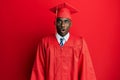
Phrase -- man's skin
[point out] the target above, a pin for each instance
(62, 26)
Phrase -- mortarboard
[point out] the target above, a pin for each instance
(64, 10)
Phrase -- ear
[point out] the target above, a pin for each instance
(70, 23)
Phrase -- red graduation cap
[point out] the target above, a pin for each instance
(64, 10)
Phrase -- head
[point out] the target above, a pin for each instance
(63, 25)
(63, 17)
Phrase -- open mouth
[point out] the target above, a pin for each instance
(62, 30)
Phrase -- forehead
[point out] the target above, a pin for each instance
(63, 19)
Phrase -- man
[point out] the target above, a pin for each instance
(63, 56)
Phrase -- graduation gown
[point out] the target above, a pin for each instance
(69, 62)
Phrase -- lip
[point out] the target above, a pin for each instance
(62, 30)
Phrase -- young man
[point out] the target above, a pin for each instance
(63, 56)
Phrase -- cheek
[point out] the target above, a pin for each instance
(58, 28)
(58, 25)
(68, 26)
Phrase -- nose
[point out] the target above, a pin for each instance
(63, 24)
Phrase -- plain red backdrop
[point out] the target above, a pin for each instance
(24, 22)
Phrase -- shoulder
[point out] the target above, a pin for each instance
(76, 39)
(79, 41)
(47, 38)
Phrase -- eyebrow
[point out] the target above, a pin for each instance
(64, 20)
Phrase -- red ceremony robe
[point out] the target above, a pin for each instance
(70, 62)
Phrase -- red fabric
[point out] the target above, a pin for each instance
(64, 10)
(70, 62)
(64, 13)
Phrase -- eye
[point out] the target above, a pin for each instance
(59, 21)
(67, 21)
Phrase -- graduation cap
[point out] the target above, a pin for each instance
(64, 10)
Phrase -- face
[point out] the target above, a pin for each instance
(63, 26)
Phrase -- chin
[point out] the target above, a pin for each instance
(63, 34)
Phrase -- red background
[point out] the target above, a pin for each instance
(24, 22)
